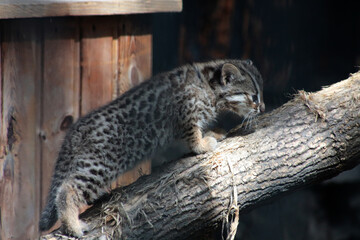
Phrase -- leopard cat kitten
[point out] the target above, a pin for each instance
(176, 105)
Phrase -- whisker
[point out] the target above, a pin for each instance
(255, 121)
(248, 122)
(251, 120)
(242, 122)
(245, 117)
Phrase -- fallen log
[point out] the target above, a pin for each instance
(313, 137)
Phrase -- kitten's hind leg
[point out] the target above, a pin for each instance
(68, 202)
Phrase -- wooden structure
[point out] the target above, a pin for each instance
(54, 70)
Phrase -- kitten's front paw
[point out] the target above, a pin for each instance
(211, 143)
(206, 144)
(218, 134)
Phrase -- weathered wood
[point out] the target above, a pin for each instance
(20, 158)
(312, 137)
(47, 8)
(54, 70)
(134, 66)
(97, 62)
(135, 51)
(60, 91)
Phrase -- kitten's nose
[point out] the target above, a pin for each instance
(262, 107)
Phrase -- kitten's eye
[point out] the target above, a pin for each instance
(229, 78)
(255, 99)
(248, 61)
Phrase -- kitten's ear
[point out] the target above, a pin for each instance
(249, 62)
(230, 72)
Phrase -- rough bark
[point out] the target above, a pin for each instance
(312, 137)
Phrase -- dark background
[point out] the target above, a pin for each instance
(295, 45)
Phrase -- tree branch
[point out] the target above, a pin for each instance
(312, 137)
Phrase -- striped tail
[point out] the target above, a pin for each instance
(49, 216)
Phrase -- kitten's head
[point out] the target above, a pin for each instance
(238, 86)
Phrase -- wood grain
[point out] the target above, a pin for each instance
(20, 164)
(47, 8)
(54, 70)
(135, 51)
(60, 92)
(97, 62)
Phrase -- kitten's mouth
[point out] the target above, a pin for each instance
(259, 108)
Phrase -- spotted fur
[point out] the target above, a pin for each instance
(177, 105)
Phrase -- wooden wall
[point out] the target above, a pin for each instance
(54, 70)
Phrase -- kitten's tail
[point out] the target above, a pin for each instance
(49, 216)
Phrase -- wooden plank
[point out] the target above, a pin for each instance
(20, 166)
(135, 51)
(135, 65)
(97, 62)
(61, 90)
(46, 8)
